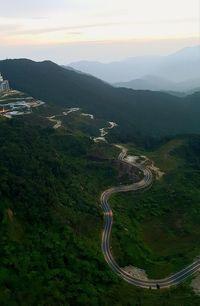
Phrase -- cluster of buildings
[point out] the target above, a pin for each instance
(4, 85)
(12, 106)
(16, 108)
(20, 107)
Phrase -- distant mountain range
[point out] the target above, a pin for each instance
(135, 112)
(156, 83)
(176, 72)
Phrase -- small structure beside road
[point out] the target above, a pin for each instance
(4, 84)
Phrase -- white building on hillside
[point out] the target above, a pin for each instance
(4, 84)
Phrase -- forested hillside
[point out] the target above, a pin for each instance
(50, 218)
(144, 112)
(51, 221)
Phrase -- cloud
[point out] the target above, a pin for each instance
(100, 51)
(36, 8)
(18, 29)
(42, 21)
(65, 28)
(9, 28)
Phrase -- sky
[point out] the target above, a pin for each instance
(71, 30)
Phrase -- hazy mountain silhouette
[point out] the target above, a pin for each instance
(160, 84)
(182, 67)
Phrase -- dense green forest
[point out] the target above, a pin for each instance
(142, 112)
(51, 181)
(51, 220)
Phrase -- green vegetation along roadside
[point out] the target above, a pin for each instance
(158, 230)
(51, 222)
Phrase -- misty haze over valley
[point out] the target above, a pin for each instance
(178, 72)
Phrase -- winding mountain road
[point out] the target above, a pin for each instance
(146, 182)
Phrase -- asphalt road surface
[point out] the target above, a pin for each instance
(145, 183)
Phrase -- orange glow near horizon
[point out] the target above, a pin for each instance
(132, 19)
(41, 23)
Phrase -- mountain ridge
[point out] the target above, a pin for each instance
(177, 67)
(155, 83)
(146, 112)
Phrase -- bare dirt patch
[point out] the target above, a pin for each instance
(136, 272)
(10, 214)
(144, 160)
(195, 284)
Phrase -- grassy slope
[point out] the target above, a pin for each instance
(159, 229)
